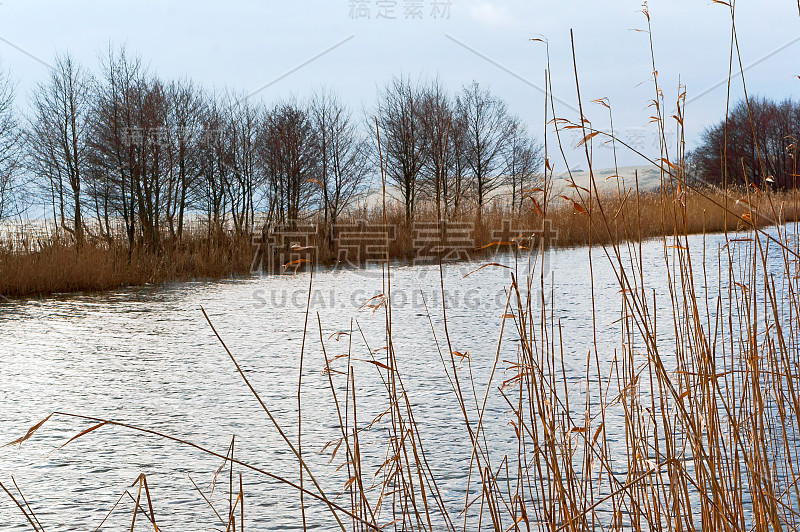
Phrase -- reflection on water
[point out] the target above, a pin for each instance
(146, 356)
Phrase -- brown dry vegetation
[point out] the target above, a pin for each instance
(55, 265)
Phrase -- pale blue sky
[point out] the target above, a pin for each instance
(246, 44)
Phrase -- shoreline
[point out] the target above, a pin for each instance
(59, 267)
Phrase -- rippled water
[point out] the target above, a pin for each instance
(147, 357)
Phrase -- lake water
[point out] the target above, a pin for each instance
(147, 357)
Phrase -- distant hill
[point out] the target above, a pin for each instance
(649, 179)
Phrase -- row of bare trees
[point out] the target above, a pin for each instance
(756, 144)
(128, 150)
(453, 148)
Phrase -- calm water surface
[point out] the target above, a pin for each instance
(147, 357)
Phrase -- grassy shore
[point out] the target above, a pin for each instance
(54, 264)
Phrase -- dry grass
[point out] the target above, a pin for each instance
(59, 267)
(54, 265)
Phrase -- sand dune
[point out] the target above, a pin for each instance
(649, 178)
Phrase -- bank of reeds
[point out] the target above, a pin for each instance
(50, 264)
(57, 265)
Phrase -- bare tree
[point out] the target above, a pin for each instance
(243, 120)
(403, 139)
(183, 127)
(488, 132)
(755, 144)
(144, 155)
(288, 153)
(524, 158)
(343, 155)
(58, 139)
(436, 109)
(457, 182)
(9, 148)
(151, 151)
(211, 197)
(116, 139)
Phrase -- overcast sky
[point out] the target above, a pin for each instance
(354, 47)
